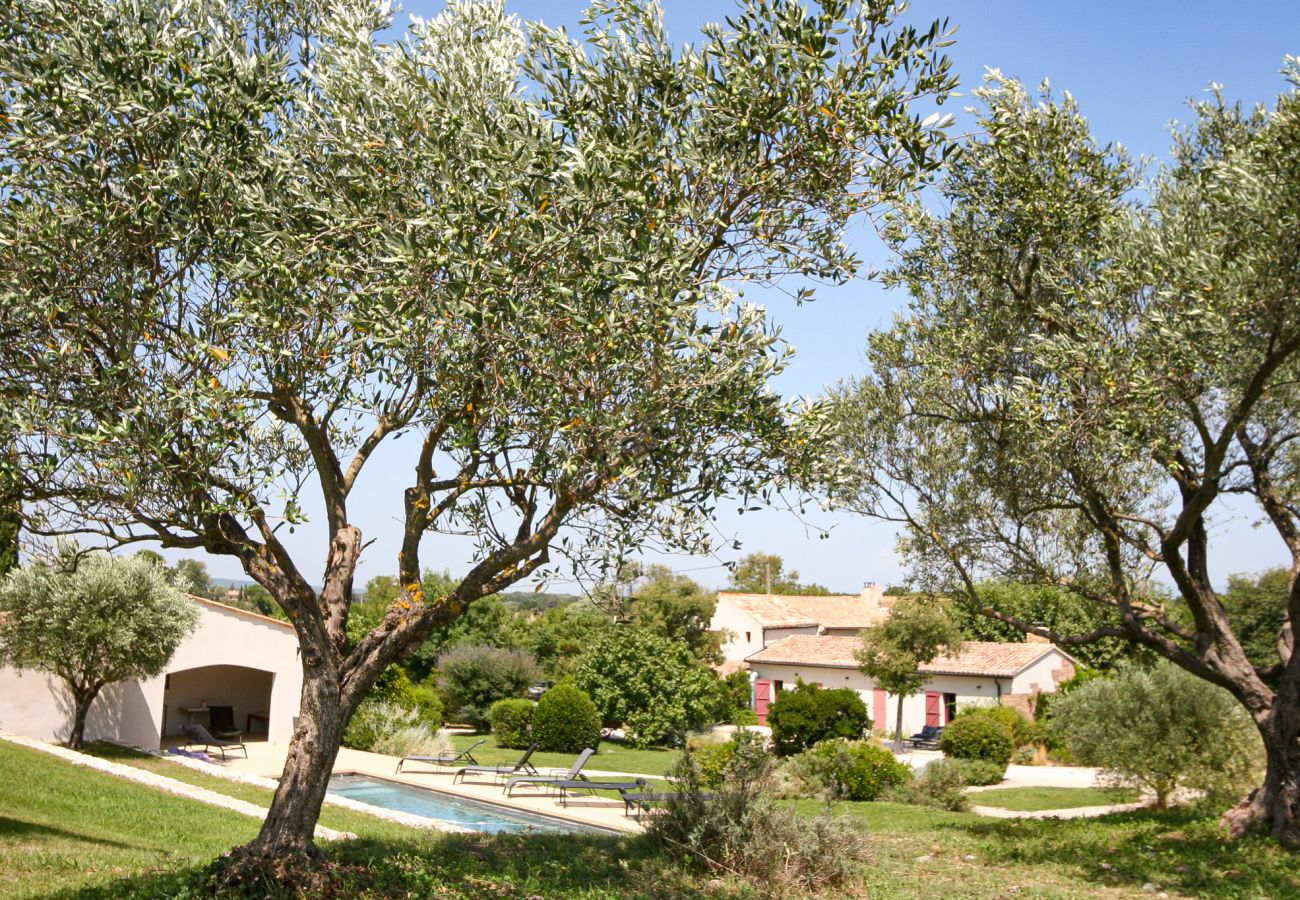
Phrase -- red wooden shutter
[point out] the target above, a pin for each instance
(933, 703)
(878, 708)
(762, 698)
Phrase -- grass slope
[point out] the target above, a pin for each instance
(64, 828)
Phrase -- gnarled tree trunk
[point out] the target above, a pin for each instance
(1274, 806)
(291, 821)
(82, 698)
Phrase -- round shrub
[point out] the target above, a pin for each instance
(1021, 728)
(940, 784)
(742, 715)
(566, 720)
(810, 714)
(512, 723)
(982, 771)
(977, 737)
(858, 770)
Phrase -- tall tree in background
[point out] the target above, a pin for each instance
(230, 277)
(679, 608)
(918, 630)
(764, 573)
(1080, 382)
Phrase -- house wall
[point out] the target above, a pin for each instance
(739, 623)
(1043, 677)
(131, 712)
(968, 689)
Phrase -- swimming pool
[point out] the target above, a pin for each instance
(469, 814)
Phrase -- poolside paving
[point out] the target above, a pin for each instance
(267, 761)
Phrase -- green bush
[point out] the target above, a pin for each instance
(512, 721)
(566, 720)
(379, 726)
(649, 684)
(742, 715)
(743, 830)
(858, 770)
(1161, 729)
(810, 714)
(473, 678)
(713, 762)
(977, 737)
(940, 784)
(982, 771)
(1022, 728)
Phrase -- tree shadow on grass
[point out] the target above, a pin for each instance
(21, 828)
(1180, 851)
(467, 866)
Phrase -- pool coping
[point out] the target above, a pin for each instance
(567, 821)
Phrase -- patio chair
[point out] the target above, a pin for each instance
(198, 735)
(574, 772)
(445, 759)
(590, 786)
(504, 769)
(221, 723)
(927, 738)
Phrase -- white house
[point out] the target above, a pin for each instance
(983, 673)
(234, 658)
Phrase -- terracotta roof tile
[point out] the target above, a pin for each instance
(983, 658)
(800, 611)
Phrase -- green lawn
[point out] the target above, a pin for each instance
(1030, 799)
(334, 817)
(612, 756)
(66, 831)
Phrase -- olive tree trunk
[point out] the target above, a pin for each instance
(1274, 806)
(82, 698)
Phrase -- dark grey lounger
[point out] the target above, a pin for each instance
(641, 800)
(197, 734)
(504, 769)
(445, 759)
(586, 784)
(544, 780)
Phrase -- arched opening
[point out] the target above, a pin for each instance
(189, 695)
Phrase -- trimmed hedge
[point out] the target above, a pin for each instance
(512, 721)
(977, 737)
(566, 720)
(810, 714)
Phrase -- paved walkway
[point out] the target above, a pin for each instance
(1077, 812)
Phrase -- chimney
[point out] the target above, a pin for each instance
(872, 594)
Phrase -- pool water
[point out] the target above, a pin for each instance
(444, 807)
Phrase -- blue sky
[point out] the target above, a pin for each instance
(1131, 66)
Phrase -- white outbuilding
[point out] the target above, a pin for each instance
(234, 658)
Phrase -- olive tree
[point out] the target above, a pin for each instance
(245, 245)
(1084, 376)
(91, 622)
(919, 628)
(1161, 729)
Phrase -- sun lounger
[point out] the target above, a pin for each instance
(586, 784)
(197, 734)
(445, 759)
(641, 800)
(544, 780)
(504, 769)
